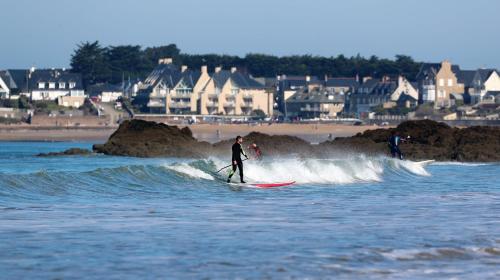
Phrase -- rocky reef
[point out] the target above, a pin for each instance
(68, 152)
(428, 140)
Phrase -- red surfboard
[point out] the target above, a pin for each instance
(271, 185)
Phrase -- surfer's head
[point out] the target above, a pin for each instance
(239, 139)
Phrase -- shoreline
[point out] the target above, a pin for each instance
(313, 133)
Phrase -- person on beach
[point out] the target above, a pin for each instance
(256, 151)
(236, 159)
(394, 142)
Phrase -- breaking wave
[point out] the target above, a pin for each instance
(148, 178)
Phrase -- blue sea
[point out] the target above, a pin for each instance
(104, 217)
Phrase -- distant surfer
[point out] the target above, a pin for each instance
(236, 159)
(256, 151)
(394, 142)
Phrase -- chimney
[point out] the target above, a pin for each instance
(278, 78)
(218, 69)
(204, 69)
(184, 68)
(166, 60)
(233, 69)
(326, 78)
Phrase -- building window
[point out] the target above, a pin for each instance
(235, 91)
(52, 85)
(62, 85)
(72, 84)
(41, 85)
(450, 82)
(441, 82)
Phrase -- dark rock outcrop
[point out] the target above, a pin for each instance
(68, 152)
(140, 138)
(271, 145)
(428, 140)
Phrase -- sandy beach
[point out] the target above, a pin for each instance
(313, 133)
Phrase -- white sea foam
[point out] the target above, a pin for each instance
(338, 171)
(410, 166)
(190, 171)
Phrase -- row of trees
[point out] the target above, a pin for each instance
(113, 63)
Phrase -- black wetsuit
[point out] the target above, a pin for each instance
(394, 146)
(237, 152)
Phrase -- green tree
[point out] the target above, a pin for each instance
(153, 54)
(258, 113)
(89, 59)
(127, 61)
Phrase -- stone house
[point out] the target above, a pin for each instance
(437, 81)
(318, 102)
(234, 93)
(387, 93)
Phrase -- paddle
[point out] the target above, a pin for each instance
(228, 166)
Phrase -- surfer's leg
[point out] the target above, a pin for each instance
(400, 155)
(240, 167)
(231, 173)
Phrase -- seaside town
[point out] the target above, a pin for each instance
(440, 91)
(258, 139)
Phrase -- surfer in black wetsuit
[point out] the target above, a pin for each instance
(394, 142)
(236, 159)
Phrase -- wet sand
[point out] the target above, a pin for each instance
(313, 133)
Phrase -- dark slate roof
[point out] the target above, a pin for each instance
(370, 84)
(378, 87)
(245, 81)
(56, 76)
(466, 77)
(267, 82)
(16, 78)
(166, 73)
(297, 81)
(342, 82)
(220, 78)
(432, 69)
(315, 96)
(190, 77)
(241, 80)
(484, 74)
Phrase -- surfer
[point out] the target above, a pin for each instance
(236, 159)
(394, 142)
(256, 151)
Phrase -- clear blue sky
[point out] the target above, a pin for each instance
(45, 33)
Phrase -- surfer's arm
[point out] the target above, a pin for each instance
(243, 152)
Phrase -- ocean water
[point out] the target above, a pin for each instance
(103, 217)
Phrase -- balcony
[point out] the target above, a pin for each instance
(156, 103)
(182, 94)
(313, 109)
(247, 105)
(180, 105)
(212, 104)
(229, 105)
